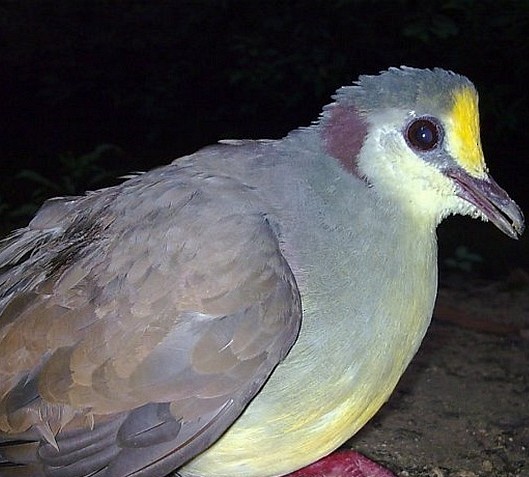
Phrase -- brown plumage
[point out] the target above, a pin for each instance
(157, 325)
(115, 346)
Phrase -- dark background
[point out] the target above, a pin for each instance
(90, 90)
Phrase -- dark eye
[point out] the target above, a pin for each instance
(423, 134)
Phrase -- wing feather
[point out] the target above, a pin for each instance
(144, 316)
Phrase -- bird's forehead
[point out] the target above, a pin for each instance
(462, 131)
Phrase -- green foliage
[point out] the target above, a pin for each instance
(463, 260)
(76, 173)
(72, 176)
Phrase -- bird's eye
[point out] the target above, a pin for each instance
(423, 134)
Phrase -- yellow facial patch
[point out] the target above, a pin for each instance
(462, 133)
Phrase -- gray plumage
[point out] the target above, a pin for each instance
(269, 292)
(404, 87)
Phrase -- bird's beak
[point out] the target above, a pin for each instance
(491, 200)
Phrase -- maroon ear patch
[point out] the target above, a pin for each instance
(344, 132)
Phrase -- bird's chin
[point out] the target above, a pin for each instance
(489, 200)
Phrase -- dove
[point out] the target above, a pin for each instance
(246, 309)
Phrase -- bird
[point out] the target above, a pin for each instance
(246, 309)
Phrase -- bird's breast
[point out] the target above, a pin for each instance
(365, 314)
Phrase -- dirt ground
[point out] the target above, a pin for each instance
(462, 408)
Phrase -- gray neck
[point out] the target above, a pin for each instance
(339, 281)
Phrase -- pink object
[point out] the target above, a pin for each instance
(346, 463)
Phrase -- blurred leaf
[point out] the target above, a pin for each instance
(74, 175)
(463, 259)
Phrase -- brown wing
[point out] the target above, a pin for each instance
(136, 324)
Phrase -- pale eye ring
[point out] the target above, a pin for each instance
(423, 134)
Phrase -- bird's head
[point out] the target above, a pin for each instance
(413, 135)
